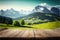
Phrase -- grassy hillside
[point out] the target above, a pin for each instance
(43, 16)
(49, 25)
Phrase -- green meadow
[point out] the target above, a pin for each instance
(48, 25)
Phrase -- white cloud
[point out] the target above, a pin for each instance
(43, 4)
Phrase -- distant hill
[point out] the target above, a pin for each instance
(37, 18)
(11, 13)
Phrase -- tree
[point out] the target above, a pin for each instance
(29, 23)
(8, 21)
(22, 22)
(17, 23)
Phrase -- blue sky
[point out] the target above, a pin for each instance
(25, 4)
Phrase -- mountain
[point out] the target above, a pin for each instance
(11, 13)
(43, 14)
(47, 9)
(41, 9)
(49, 13)
(55, 10)
(38, 18)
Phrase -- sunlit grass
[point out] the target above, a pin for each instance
(48, 25)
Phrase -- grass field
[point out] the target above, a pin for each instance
(49, 25)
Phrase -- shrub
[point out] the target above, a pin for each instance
(22, 22)
(29, 23)
(17, 23)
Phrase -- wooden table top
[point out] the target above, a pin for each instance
(30, 33)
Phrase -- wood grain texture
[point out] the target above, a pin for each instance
(30, 33)
(40, 33)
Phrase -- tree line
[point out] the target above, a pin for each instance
(9, 21)
(6, 20)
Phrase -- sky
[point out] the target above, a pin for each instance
(25, 4)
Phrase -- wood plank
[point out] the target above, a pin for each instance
(2, 32)
(52, 33)
(57, 30)
(8, 33)
(12, 33)
(17, 32)
(21, 33)
(28, 33)
(40, 33)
